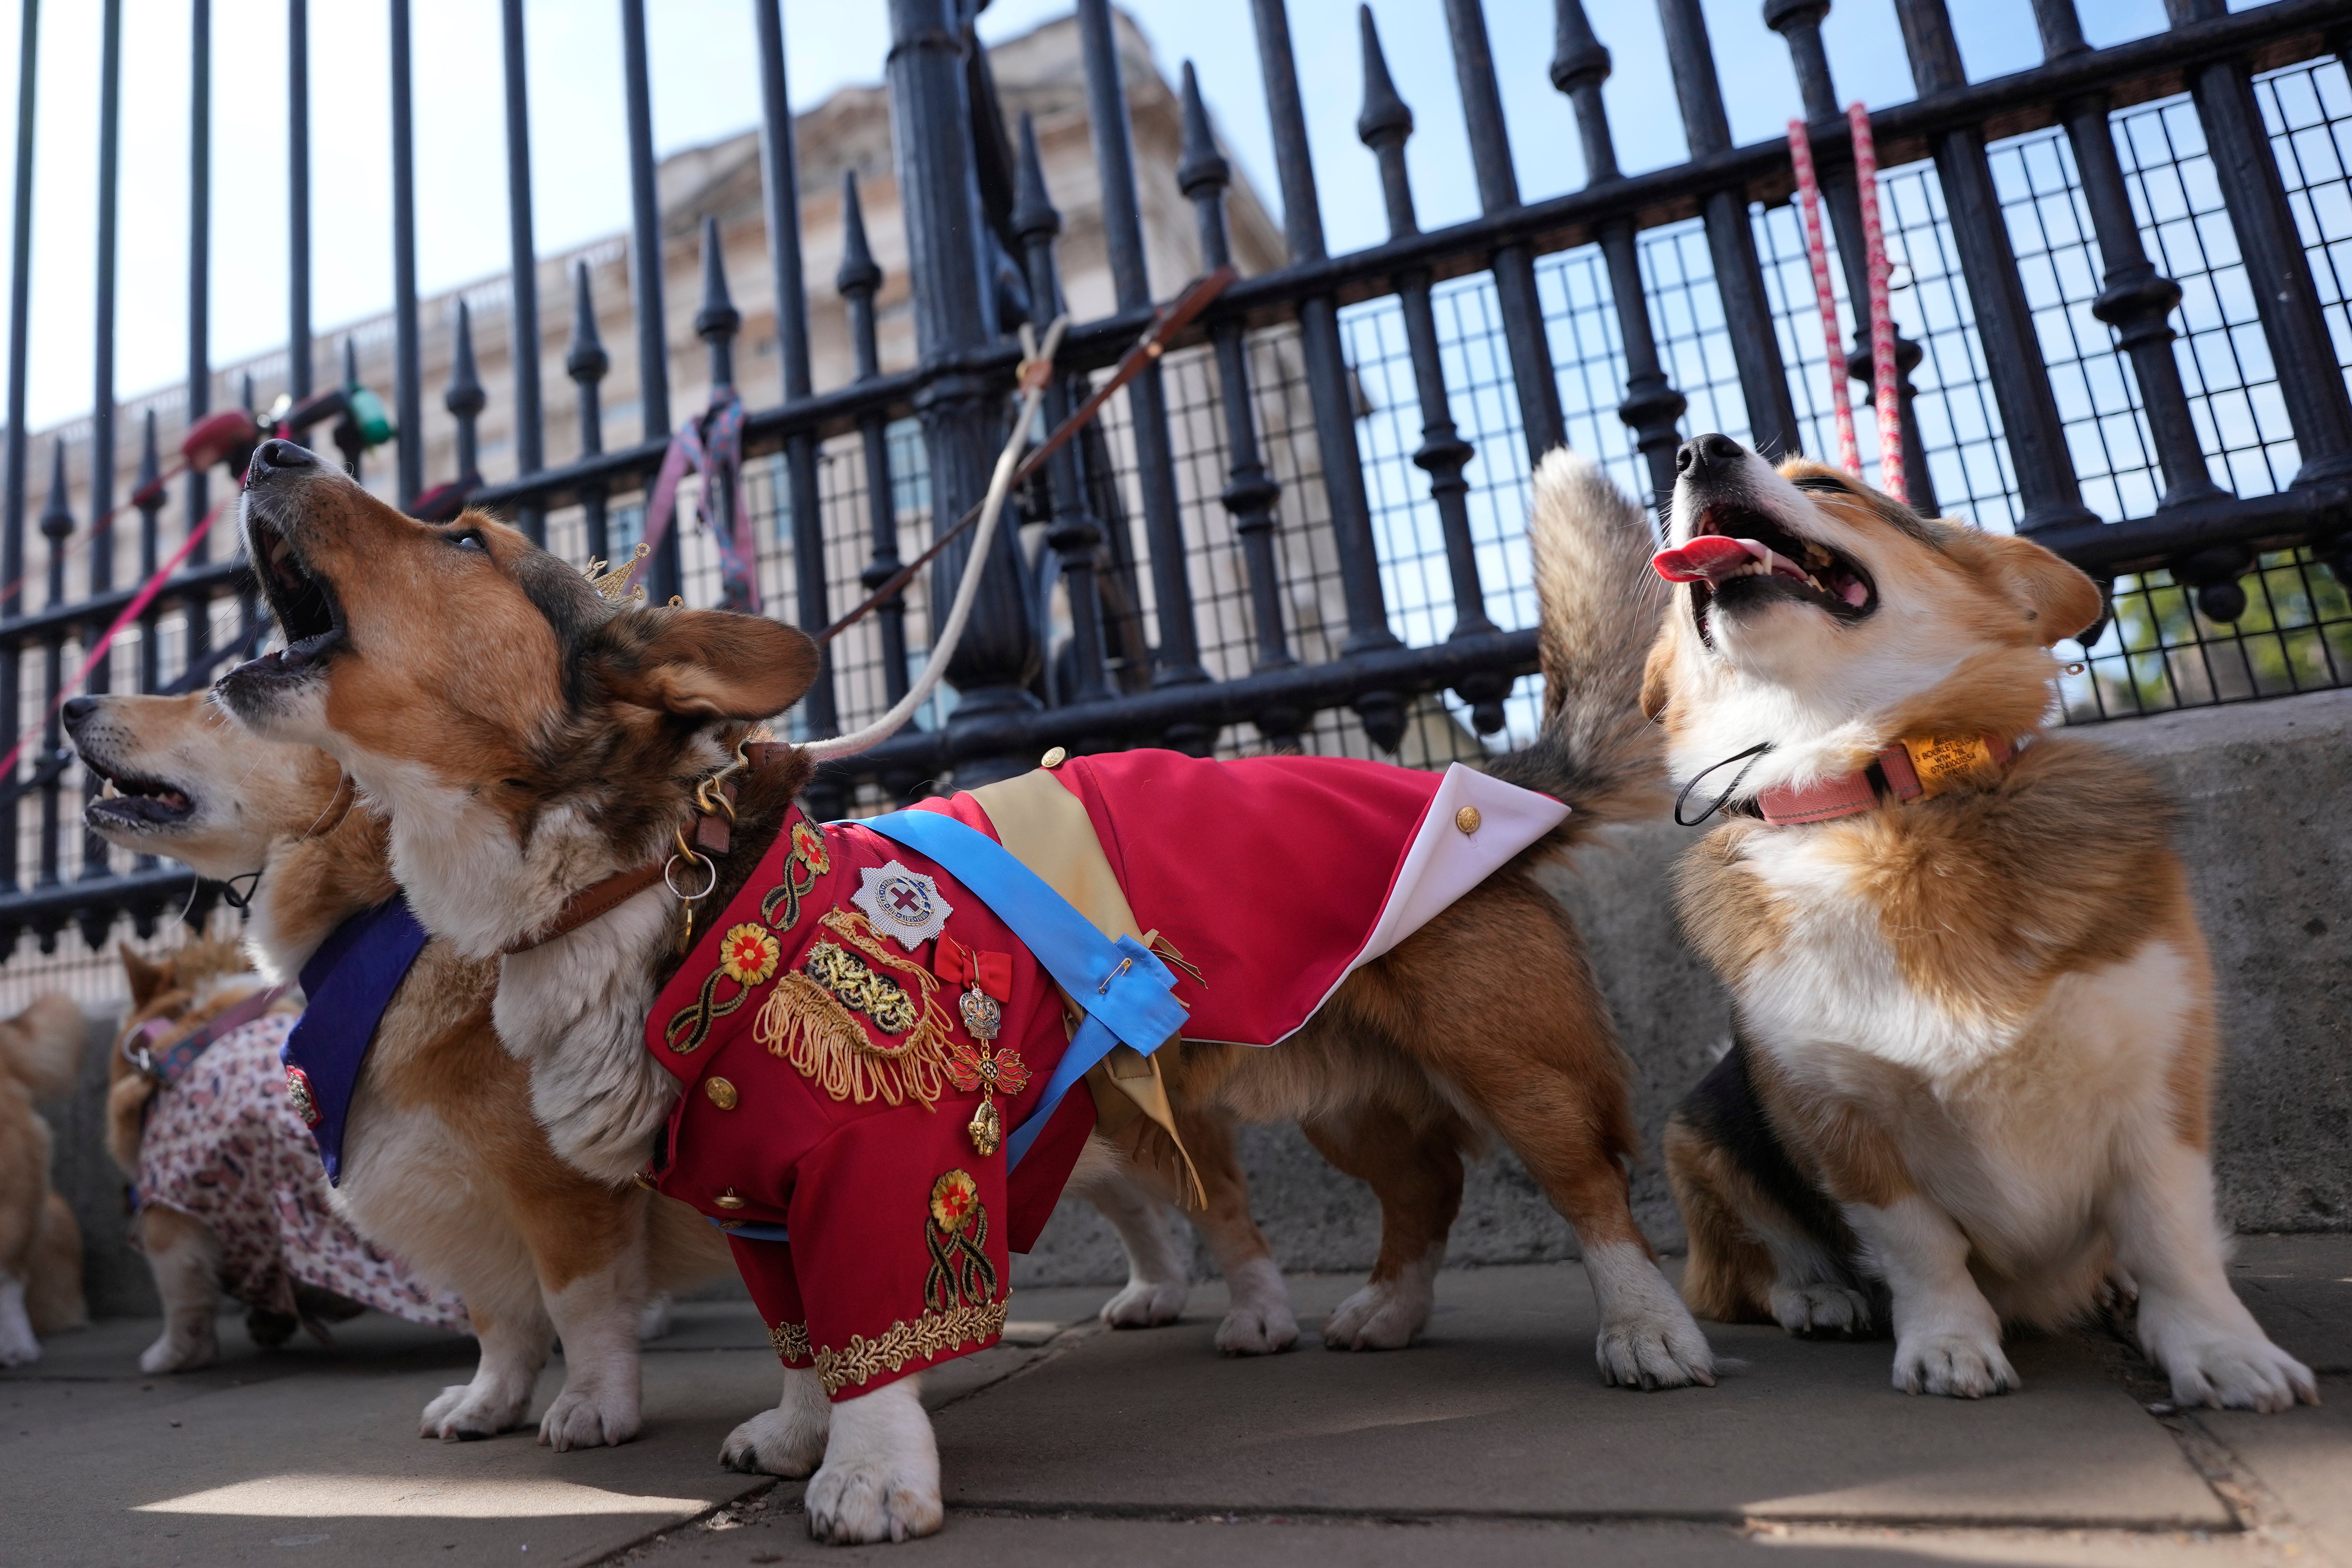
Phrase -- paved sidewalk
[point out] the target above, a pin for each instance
(1492, 1442)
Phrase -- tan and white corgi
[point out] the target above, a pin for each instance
(532, 741)
(40, 1244)
(444, 1165)
(1974, 1037)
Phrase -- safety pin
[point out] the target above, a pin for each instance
(1124, 965)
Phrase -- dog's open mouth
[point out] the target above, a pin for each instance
(1739, 556)
(128, 800)
(306, 607)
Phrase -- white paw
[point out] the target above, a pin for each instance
(2240, 1375)
(1147, 1304)
(1815, 1311)
(774, 1443)
(25, 1352)
(1956, 1362)
(1257, 1328)
(464, 1412)
(860, 1502)
(177, 1353)
(1383, 1316)
(594, 1419)
(1654, 1350)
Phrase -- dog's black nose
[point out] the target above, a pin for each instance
(277, 456)
(78, 710)
(1697, 457)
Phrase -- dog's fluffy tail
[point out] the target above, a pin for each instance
(42, 1045)
(1599, 605)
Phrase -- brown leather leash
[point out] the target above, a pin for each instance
(1172, 320)
(708, 831)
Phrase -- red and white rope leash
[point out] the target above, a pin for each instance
(1888, 406)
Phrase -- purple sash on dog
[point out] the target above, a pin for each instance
(349, 983)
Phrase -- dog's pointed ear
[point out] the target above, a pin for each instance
(2056, 599)
(147, 981)
(704, 664)
(1655, 693)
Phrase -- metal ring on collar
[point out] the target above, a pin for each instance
(669, 876)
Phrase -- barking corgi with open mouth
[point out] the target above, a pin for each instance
(1973, 1039)
(548, 757)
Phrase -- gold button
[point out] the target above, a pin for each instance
(728, 1200)
(1055, 758)
(722, 1092)
(1467, 819)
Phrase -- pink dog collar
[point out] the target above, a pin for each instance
(1908, 769)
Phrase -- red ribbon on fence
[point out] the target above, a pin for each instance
(1888, 407)
(130, 611)
(709, 444)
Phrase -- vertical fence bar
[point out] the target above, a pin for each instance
(1800, 23)
(1384, 125)
(1177, 660)
(2310, 381)
(1382, 713)
(465, 399)
(1250, 493)
(962, 413)
(586, 361)
(1651, 407)
(354, 449)
(780, 189)
(102, 401)
(715, 323)
(149, 494)
(198, 638)
(2020, 386)
(1512, 266)
(297, 197)
(57, 527)
(1075, 537)
(1739, 276)
(408, 394)
(857, 281)
(2137, 299)
(647, 269)
(522, 307)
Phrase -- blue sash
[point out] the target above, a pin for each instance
(1122, 985)
(348, 984)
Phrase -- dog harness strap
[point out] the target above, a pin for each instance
(349, 982)
(172, 1062)
(1122, 985)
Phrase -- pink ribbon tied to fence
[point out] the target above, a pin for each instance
(709, 444)
(1888, 403)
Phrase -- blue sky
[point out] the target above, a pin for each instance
(706, 87)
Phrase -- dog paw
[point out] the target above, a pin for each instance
(1961, 1366)
(25, 1352)
(588, 1420)
(2240, 1374)
(1257, 1328)
(1147, 1304)
(1650, 1350)
(1820, 1311)
(1384, 1315)
(169, 1353)
(780, 1442)
(855, 1502)
(463, 1414)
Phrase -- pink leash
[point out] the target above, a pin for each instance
(1889, 406)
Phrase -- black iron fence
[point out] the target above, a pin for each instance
(2123, 280)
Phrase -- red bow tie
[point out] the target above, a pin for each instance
(961, 965)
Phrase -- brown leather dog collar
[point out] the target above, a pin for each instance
(707, 832)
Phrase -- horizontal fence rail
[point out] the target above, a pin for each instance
(2121, 319)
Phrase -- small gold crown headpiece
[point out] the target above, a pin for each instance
(612, 583)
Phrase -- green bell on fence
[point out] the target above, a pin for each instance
(368, 412)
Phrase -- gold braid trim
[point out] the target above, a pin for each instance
(792, 1341)
(862, 1360)
(804, 1022)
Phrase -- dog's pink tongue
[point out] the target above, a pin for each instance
(1707, 558)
